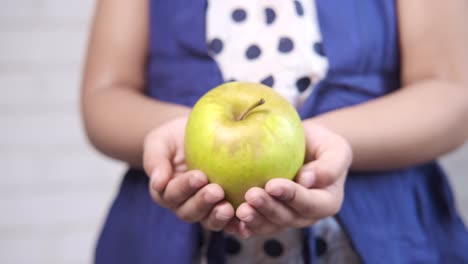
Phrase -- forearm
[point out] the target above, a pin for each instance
(118, 119)
(413, 125)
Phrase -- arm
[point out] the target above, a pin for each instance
(428, 116)
(117, 115)
(123, 123)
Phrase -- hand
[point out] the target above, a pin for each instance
(316, 193)
(173, 186)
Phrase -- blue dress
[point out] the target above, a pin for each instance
(398, 216)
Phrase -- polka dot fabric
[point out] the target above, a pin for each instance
(281, 248)
(332, 245)
(277, 43)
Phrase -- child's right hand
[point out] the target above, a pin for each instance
(173, 186)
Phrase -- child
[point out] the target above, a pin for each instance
(361, 76)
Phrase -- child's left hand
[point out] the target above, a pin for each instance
(316, 192)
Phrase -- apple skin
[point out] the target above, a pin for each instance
(239, 154)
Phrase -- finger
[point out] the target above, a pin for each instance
(325, 170)
(219, 217)
(244, 231)
(332, 157)
(154, 146)
(254, 223)
(161, 175)
(156, 195)
(199, 205)
(309, 203)
(306, 177)
(160, 148)
(270, 208)
(182, 187)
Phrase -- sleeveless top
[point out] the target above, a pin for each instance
(397, 216)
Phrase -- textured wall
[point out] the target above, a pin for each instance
(54, 188)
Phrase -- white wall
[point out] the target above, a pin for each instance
(55, 189)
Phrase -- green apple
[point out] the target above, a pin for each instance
(243, 134)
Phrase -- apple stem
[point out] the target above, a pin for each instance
(258, 103)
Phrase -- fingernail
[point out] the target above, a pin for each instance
(196, 181)
(308, 179)
(222, 217)
(210, 197)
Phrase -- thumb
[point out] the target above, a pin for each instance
(157, 156)
(161, 174)
(306, 177)
(333, 157)
(319, 173)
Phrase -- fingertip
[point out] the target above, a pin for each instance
(222, 216)
(197, 179)
(199, 173)
(156, 180)
(253, 193)
(306, 178)
(214, 193)
(244, 212)
(281, 189)
(275, 187)
(216, 188)
(224, 211)
(160, 174)
(256, 201)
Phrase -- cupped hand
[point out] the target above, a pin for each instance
(316, 192)
(186, 192)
